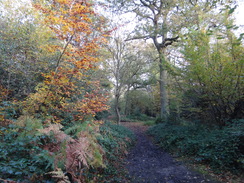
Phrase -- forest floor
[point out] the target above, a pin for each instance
(148, 163)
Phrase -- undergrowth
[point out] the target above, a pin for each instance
(149, 123)
(90, 152)
(221, 149)
(115, 140)
(21, 157)
(135, 118)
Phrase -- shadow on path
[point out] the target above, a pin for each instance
(148, 163)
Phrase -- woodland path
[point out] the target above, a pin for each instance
(148, 163)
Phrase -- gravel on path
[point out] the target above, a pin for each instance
(148, 163)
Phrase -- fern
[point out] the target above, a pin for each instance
(30, 124)
(75, 129)
(59, 176)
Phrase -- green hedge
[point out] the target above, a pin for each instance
(222, 149)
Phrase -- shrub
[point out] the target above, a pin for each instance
(160, 120)
(115, 140)
(21, 157)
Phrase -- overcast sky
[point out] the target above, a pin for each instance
(240, 13)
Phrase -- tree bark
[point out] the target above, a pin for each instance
(164, 109)
(127, 101)
(117, 112)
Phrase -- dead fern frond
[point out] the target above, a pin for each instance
(59, 176)
(77, 155)
(54, 129)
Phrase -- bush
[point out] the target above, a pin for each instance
(160, 120)
(21, 157)
(115, 141)
(102, 115)
(222, 149)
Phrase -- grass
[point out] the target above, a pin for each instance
(149, 123)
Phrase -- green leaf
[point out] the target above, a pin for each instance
(220, 37)
(18, 173)
(241, 37)
(232, 10)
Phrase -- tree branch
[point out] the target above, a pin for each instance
(61, 55)
(138, 37)
(169, 41)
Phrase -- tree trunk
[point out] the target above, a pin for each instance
(117, 112)
(164, 109)
(127, 112)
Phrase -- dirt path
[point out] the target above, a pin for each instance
(147, 163)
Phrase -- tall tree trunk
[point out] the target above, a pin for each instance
(164, 109)
(161, 48)
(116, 106)
(127, 101)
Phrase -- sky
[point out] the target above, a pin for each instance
(240, 13)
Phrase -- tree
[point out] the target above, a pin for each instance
(67, 89)
(23, 53)
(213, 71)
(163, 21)
(124, 66)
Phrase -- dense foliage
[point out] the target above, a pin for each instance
(214, 71)
(49, 96)
(22, 157)
(115, 140)
(221, 149)
(31, 153)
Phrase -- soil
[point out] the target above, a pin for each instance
(148, 163)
